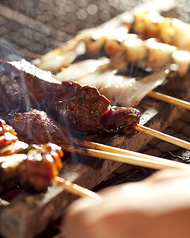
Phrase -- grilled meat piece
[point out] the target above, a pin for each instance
(40, 167)
(35, 165)
(7, 134)
(119, 119)
(26, 88)
(9, 164)
(78, 108)
(36, 127)
(9, 142)
(35, 169)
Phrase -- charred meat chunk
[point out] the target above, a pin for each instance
(36, 127)
(119, 119)
(78, 108)
(23, 86)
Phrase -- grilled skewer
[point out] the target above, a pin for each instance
(156, 49)
(29, 124)
(168, 30)
(34, 165)
(78, 108)
(39, 166)
(122, 89)
(153, 53)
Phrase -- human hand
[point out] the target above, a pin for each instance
(158, 207)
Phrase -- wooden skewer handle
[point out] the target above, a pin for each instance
(162, 136)
(169, 99)
(111, 149)
(76, 189)
(157, 163)
(119, 151)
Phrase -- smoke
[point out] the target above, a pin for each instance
(8, 52)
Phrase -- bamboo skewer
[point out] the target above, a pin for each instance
(112, 149)
(121, 155)
(76, 189)
(140, 128)
(162, 136)
(9, 167)
(169, 99)
(119, 151)
(133, 158)
(153, 94)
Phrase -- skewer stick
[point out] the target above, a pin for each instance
(153, 94)
(76, 189)
(169, 99)
(112, 149)
(133, 158)
(162, 136)
(10, 170)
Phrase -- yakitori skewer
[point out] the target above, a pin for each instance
(169, 99)
(128, 157)
(12, 166)
(127, 91)
(163, 136)
(154, 54)
(35, 165)
(18, 164)
(40, 121)
(39, 166)
(76, 189)
(83, 109)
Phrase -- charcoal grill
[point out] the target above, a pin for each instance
(33, 27)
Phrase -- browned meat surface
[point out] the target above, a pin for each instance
(78, 108)
(13, 91)
(23, 88)
(121, 119)
(70, 103)
(35, 165)
(36, 127)
(81, 109)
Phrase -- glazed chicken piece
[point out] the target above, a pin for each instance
(9, 142)
(41, 166)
